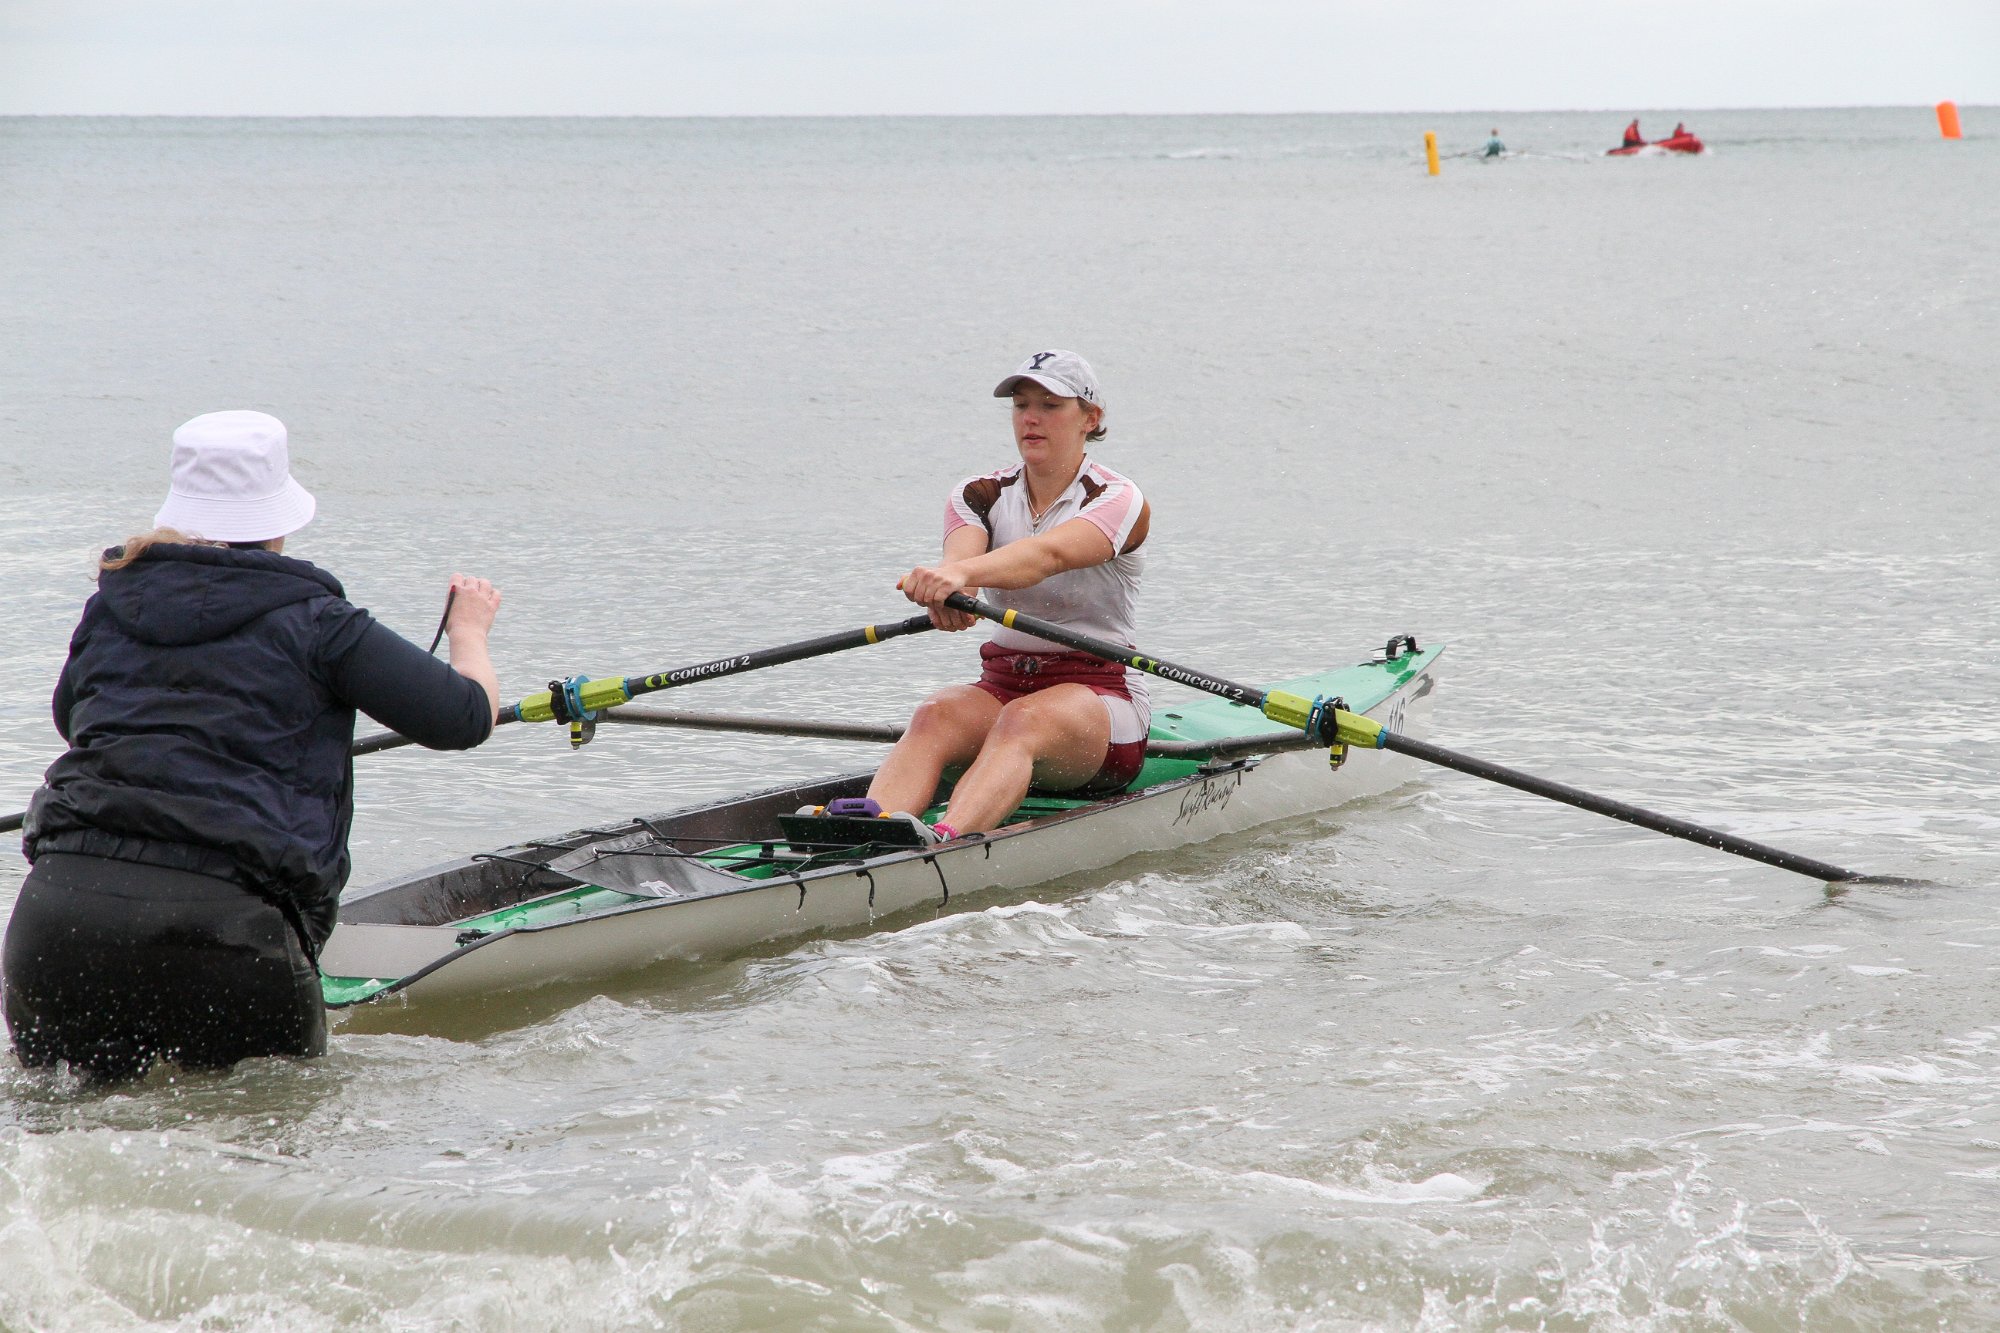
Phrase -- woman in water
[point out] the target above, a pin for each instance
(1056, 535)
(190, 847)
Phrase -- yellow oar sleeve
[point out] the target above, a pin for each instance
(1295, 710)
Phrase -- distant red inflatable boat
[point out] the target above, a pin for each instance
(1680, 141)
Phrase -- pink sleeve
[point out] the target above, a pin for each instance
(1114, 509)
(957, 513)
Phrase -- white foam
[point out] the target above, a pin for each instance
(1917, 1071)
(1445, 1187)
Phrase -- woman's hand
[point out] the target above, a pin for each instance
(930, 587)
(474, 603)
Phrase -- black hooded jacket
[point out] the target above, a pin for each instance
(209, 702)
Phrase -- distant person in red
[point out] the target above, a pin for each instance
(1680, 130)
(1632, 136)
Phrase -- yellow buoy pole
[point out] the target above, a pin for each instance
(1431, 149)
(1948, 120)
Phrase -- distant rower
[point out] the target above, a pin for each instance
(1494, 148)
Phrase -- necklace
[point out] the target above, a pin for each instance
(1035, 512)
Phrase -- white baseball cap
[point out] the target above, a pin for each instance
(233, 480)
(1060, 372)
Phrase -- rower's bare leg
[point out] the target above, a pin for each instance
(1055, 739)
(945, 731)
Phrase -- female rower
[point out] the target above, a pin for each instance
(1056, 535)
(190, 847)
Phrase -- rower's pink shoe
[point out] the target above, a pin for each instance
(932, 834)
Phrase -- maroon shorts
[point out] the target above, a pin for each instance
(1010, 676)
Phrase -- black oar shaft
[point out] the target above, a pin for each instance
(887, 733)
(611, 691)
(770, 657)
(581, 696)
(380, 741)
(1604, 805)
(804, 728)
(1110, 652)
(1385, 739)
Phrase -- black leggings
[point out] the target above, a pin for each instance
(112, 965)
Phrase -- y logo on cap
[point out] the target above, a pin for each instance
(1039, 357)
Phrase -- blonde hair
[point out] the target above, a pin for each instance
(118, 557)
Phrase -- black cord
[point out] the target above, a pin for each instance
(442, 620)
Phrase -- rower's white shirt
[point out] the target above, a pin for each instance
(1099, 600)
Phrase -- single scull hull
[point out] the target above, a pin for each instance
(711, 880)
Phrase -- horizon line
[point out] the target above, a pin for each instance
(950, 115)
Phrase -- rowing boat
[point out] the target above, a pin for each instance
(706, 881)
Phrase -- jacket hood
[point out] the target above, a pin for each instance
(177, 595)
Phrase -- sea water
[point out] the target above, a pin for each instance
(1691, 462)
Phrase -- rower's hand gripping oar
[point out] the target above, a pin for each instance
(579, 699)
(1327, 722)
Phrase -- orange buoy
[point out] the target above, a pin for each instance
(1431, 150)
(1948, 120)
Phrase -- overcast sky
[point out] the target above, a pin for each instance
(820, 57)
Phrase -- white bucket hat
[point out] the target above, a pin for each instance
(233, 480)
(1060, 372)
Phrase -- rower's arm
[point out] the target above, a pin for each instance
(961, 544)
(967, 543)
(1077, 544)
